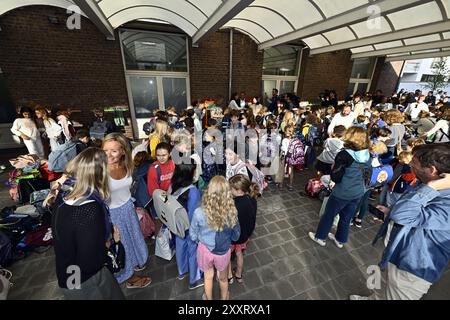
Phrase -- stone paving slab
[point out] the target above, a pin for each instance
(281, 262)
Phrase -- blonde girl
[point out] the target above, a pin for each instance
(216, 219)
(159, 135)
(81, 227)
(52, 129)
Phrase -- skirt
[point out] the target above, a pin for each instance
(136, 251)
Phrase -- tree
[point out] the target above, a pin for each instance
(441, 74)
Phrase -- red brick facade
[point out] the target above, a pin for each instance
(210, 66)
(324, 71)
(52, 65)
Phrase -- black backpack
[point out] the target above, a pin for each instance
(6, 250)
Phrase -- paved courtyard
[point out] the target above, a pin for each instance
(281, 262)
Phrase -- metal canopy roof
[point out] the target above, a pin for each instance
(392, 28)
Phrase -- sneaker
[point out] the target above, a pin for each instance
(312, 235)
(196, 285)
(357, 223)
(337, 243)
(137, 269)
(356, 297)
(182, 276)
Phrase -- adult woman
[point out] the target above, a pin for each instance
(120, 169)
(440, 132)
(52, 129)
(26, 129)
(81, 227)
(186, 249)
(394, 120)
(349, 171)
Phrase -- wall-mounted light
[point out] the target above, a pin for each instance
(53, 19)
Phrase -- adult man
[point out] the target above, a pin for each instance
(414, 109)
(345, 118)
(274, 101)
(430, 99)
(241, 102)
(418, 248)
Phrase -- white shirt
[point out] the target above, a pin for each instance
(440, 125)
(25, 126)
(414, 109)
(120, 191)
(339, 120)
(285, 145)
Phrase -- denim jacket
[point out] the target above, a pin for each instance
(422, 244)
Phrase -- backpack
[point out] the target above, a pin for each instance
(6, 250)
(171, 212)
(312, 138)
(139, 189)
(58, 158)
(255, 175)
(296, 153)
(98, 130)
(313, 187)
(381, 175)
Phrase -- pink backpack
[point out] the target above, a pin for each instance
(313, 187)
(146, 222)
(296, 152)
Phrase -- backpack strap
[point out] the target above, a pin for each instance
(158, 173)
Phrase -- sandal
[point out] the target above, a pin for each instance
(142, 282)
(239, 279)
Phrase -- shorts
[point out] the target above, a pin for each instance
(206, 260)
(239, 247)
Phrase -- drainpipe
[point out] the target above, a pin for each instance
(231, 64)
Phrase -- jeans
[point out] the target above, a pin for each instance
(346, 210)
(186, 255)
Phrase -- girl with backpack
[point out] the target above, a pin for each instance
(245, 194)
(214, 226)
(186, 249)
(294, 152)
(350, 172)
(123, 215)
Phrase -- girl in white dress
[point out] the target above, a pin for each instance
(26, 129)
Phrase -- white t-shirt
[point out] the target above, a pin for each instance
(120, 191)
(339, 120)
(414, 109)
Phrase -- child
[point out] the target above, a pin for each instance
(331, 148)
(361, 122)
(26, 129)
(294, 152)
(189, 197)
(212, 155)
(234, 164)
(245, 194)
(214, 226)
(349, 175)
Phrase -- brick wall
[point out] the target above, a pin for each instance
(325, 71)
(377, 74)
(52, 65)
(210, 66)
(389, 76)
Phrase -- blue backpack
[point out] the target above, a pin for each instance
(58, 158)
(139, 189)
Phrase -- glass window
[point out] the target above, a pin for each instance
(175, 93)
(145, 95)
(281, 61)
(287, 87)
(268, 86)
(154, 51)
(362, 68)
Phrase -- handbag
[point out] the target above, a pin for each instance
(5, 283)
(163, 245)
(116, 256)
